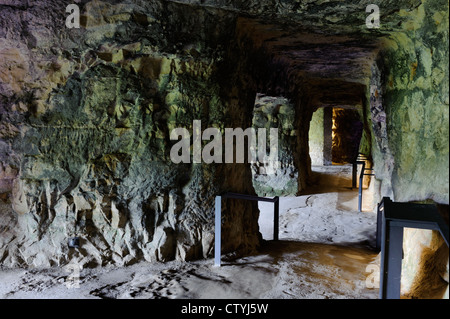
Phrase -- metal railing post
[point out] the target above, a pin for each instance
(391, 261)
(361, 179)
(276, 217)
(380, 212)
(394, 217)
(360, 159)
(218, 219)
(218, 231)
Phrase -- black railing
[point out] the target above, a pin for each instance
(392, 218)
(218, 219)
(361, 160)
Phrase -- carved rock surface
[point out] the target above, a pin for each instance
(86, 115)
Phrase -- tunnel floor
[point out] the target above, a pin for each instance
(324, 252)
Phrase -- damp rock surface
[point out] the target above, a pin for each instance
(86, 115)
(309, 262)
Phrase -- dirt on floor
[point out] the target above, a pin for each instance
(325, 251)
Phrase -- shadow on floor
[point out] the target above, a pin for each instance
(328, 179)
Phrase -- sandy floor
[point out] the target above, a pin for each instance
(324, 252)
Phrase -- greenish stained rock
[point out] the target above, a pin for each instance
(276, 112)
(86, 115)
(316, 138)
(417, 107)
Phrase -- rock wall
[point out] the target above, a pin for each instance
(85, 134)
(86, 115)
(414, 95)
(409, 108)
(315, 138)
(425, 267)
(280, 178)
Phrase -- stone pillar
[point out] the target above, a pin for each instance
(327, 135)
(316, 138)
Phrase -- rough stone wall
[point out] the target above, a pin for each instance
(409, 108)
(316, 142)
(414, 68)
(108, 94)
(280, 178)
(425, 267)
(86, 118)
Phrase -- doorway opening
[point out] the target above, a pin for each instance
(334, 136)
(346, 135)
(280, 178)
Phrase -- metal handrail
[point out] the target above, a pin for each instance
(218, 219)
(360, 159)
(392, 218)
(361, 177)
